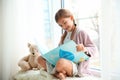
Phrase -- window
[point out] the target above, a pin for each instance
(87, 13)
(49, 27)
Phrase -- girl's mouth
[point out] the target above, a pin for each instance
(67, 28)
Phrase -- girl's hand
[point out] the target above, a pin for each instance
(80, 47)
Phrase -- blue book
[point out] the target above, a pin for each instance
(67, 51)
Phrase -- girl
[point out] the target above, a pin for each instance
(64, 18)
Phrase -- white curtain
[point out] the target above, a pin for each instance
(110, 39)
(21, 22)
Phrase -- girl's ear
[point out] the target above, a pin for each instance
(72, 18)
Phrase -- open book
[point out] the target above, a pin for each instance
(67, 50)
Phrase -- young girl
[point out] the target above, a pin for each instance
(64, 67)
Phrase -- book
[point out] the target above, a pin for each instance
(67, 51)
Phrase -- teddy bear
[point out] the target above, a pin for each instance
(29, 62)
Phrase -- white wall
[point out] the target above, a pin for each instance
(110, 39)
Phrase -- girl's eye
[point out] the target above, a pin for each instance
(60, 25)
(65, 22)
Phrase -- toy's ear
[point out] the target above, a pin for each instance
(29, 44)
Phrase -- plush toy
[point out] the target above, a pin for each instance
(29, 62)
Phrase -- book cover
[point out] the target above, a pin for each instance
(68, 51)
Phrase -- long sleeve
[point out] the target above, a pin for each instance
(82, 37)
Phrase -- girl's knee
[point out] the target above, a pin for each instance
(61, 63)
(64, 65)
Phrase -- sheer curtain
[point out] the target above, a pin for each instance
(22, 21)
(110, 39)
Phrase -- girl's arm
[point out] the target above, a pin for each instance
(88, 45)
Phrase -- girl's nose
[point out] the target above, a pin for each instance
(64, 27)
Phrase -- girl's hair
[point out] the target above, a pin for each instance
(63, 13)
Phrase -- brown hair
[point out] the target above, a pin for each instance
(62, 13)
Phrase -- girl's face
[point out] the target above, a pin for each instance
(66, 23)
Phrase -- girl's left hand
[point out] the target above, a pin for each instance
(80, 47)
